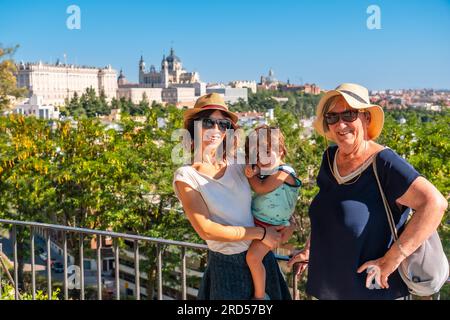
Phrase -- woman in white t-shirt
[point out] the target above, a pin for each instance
(216, 198)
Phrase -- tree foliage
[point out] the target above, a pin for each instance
(8, 87)
(78, 173)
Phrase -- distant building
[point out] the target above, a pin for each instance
(252, 118)
(280, 99)
(307, 88)
(171, 72)
(136, 94)
(312, 89)
(56, 82)
(171, 84)
(113, 116)
(435, 108)
(199, 87)
(292, 88)
(230, 95)
(34, 106)
(244, 84)
(121, 80)
(174, 95)
(269, 82)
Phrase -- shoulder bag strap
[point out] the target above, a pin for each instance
(389, 215)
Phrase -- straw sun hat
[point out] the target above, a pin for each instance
(358, 98)
(211, 101)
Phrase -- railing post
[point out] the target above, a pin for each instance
(183, 273)
(81, 247)
(1, 269)
(16, 269)
(137, 281)
(116, 267)
(294, 283)
(99, 267)
(5, 268)
(66, 287)
(159, 266)
(33, 268)
(49, 269)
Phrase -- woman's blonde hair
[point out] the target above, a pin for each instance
(329, 105)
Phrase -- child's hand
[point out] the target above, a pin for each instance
(250, 171)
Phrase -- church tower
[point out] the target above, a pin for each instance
(121, 80)
(165, 74)
(141, 70)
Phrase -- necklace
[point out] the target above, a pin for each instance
(214, 163)
(352, 179)
(217, 165)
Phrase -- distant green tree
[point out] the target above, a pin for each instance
(104, 108)
(8, 70)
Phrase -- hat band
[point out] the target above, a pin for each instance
(354, 95)
(214, 106)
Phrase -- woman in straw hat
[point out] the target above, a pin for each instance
(216, 198)
(350, 232)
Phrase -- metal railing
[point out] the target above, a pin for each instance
(82, 232)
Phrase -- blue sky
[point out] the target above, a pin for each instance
(321, 41)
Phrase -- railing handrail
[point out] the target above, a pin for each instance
(100, 233)
(106, 233)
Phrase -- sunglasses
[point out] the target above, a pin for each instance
(347, 116)
(222, 124)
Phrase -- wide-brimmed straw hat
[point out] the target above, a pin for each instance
(358, 98)
(210, 101)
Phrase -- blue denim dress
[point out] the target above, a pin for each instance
(228, 277)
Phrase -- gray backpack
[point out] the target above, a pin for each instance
(426, 270)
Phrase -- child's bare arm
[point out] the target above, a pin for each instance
(270, 183)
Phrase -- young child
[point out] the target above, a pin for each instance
(276, 190)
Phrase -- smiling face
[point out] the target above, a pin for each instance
(265, 147)
(213, 137)
(208, 135)
(269, 162)
(346, 134)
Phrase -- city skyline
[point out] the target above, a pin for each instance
(226, 41)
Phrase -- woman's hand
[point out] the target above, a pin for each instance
(299, 260)
(273, 237)
(387, 264)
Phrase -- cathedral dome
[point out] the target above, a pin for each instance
(172, 57)
(121, 76)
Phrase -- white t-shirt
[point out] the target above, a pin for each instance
(228, 200)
